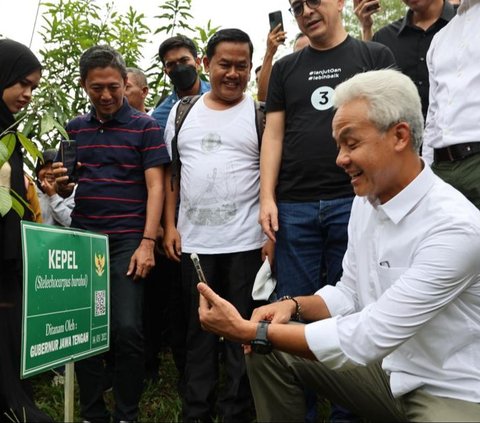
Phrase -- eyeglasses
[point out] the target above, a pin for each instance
(297, 7)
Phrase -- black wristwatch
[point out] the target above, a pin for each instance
(261, 345)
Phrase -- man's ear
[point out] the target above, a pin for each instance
(403, 136)
(206, 64)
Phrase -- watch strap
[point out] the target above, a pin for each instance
(262, 330)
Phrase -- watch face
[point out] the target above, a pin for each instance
(261, 346)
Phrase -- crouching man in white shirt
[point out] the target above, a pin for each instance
(398, 337)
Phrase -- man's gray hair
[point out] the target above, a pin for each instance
(392, 98)
(139, 76)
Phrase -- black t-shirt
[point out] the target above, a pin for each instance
(302, 85)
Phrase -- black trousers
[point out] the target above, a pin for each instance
(126, 337)
(231, 276)
(164, 317)
(16, 395)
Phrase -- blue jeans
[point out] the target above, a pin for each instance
(311, 242)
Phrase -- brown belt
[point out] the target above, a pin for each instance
(456, 152)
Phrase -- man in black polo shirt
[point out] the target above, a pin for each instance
(409, 37)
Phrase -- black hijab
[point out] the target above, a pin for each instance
(16, 62)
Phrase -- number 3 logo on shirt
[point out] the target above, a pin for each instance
(322, 98)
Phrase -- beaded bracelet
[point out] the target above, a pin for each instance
(298, 309)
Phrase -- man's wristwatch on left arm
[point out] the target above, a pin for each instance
(261, 345)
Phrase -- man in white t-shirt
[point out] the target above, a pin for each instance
(218, 187)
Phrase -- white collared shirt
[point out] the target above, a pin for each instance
(410, 292)
(453, 61)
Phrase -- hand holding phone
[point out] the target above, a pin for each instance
(68, 156)
(364, 11)
(198, 268)
(275, 18)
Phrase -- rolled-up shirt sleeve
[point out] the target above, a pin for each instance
(322, 339)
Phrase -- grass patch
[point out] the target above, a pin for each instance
(160, 401)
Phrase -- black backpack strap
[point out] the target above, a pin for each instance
(183, 108)
(260, 121)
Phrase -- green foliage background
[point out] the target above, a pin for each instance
(68, 27)
(390, 10)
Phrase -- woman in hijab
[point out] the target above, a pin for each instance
(20, 73)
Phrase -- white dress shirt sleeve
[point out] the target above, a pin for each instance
(432, 131)
(327, 346)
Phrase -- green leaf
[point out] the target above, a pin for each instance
(3, 154)
(27, 128)
(47, 124)
(19, 204)
(5, 201)
(60, 129)
(17, 207)
(29, 146)
(9, 141)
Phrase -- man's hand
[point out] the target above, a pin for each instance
(48, 187)
(279, 312)
(172, 243)
(275, 37)
(364, 9)
(63, 187)
(142, 260)
(269, 218)
(268, 251)
(221, 317)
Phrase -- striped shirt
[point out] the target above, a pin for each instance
(111, 195)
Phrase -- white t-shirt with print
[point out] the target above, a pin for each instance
(219, 178)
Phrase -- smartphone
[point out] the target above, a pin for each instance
(198, 268)
(68, 156)
(275, 18)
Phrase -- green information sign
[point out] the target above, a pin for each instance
(66, 296)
